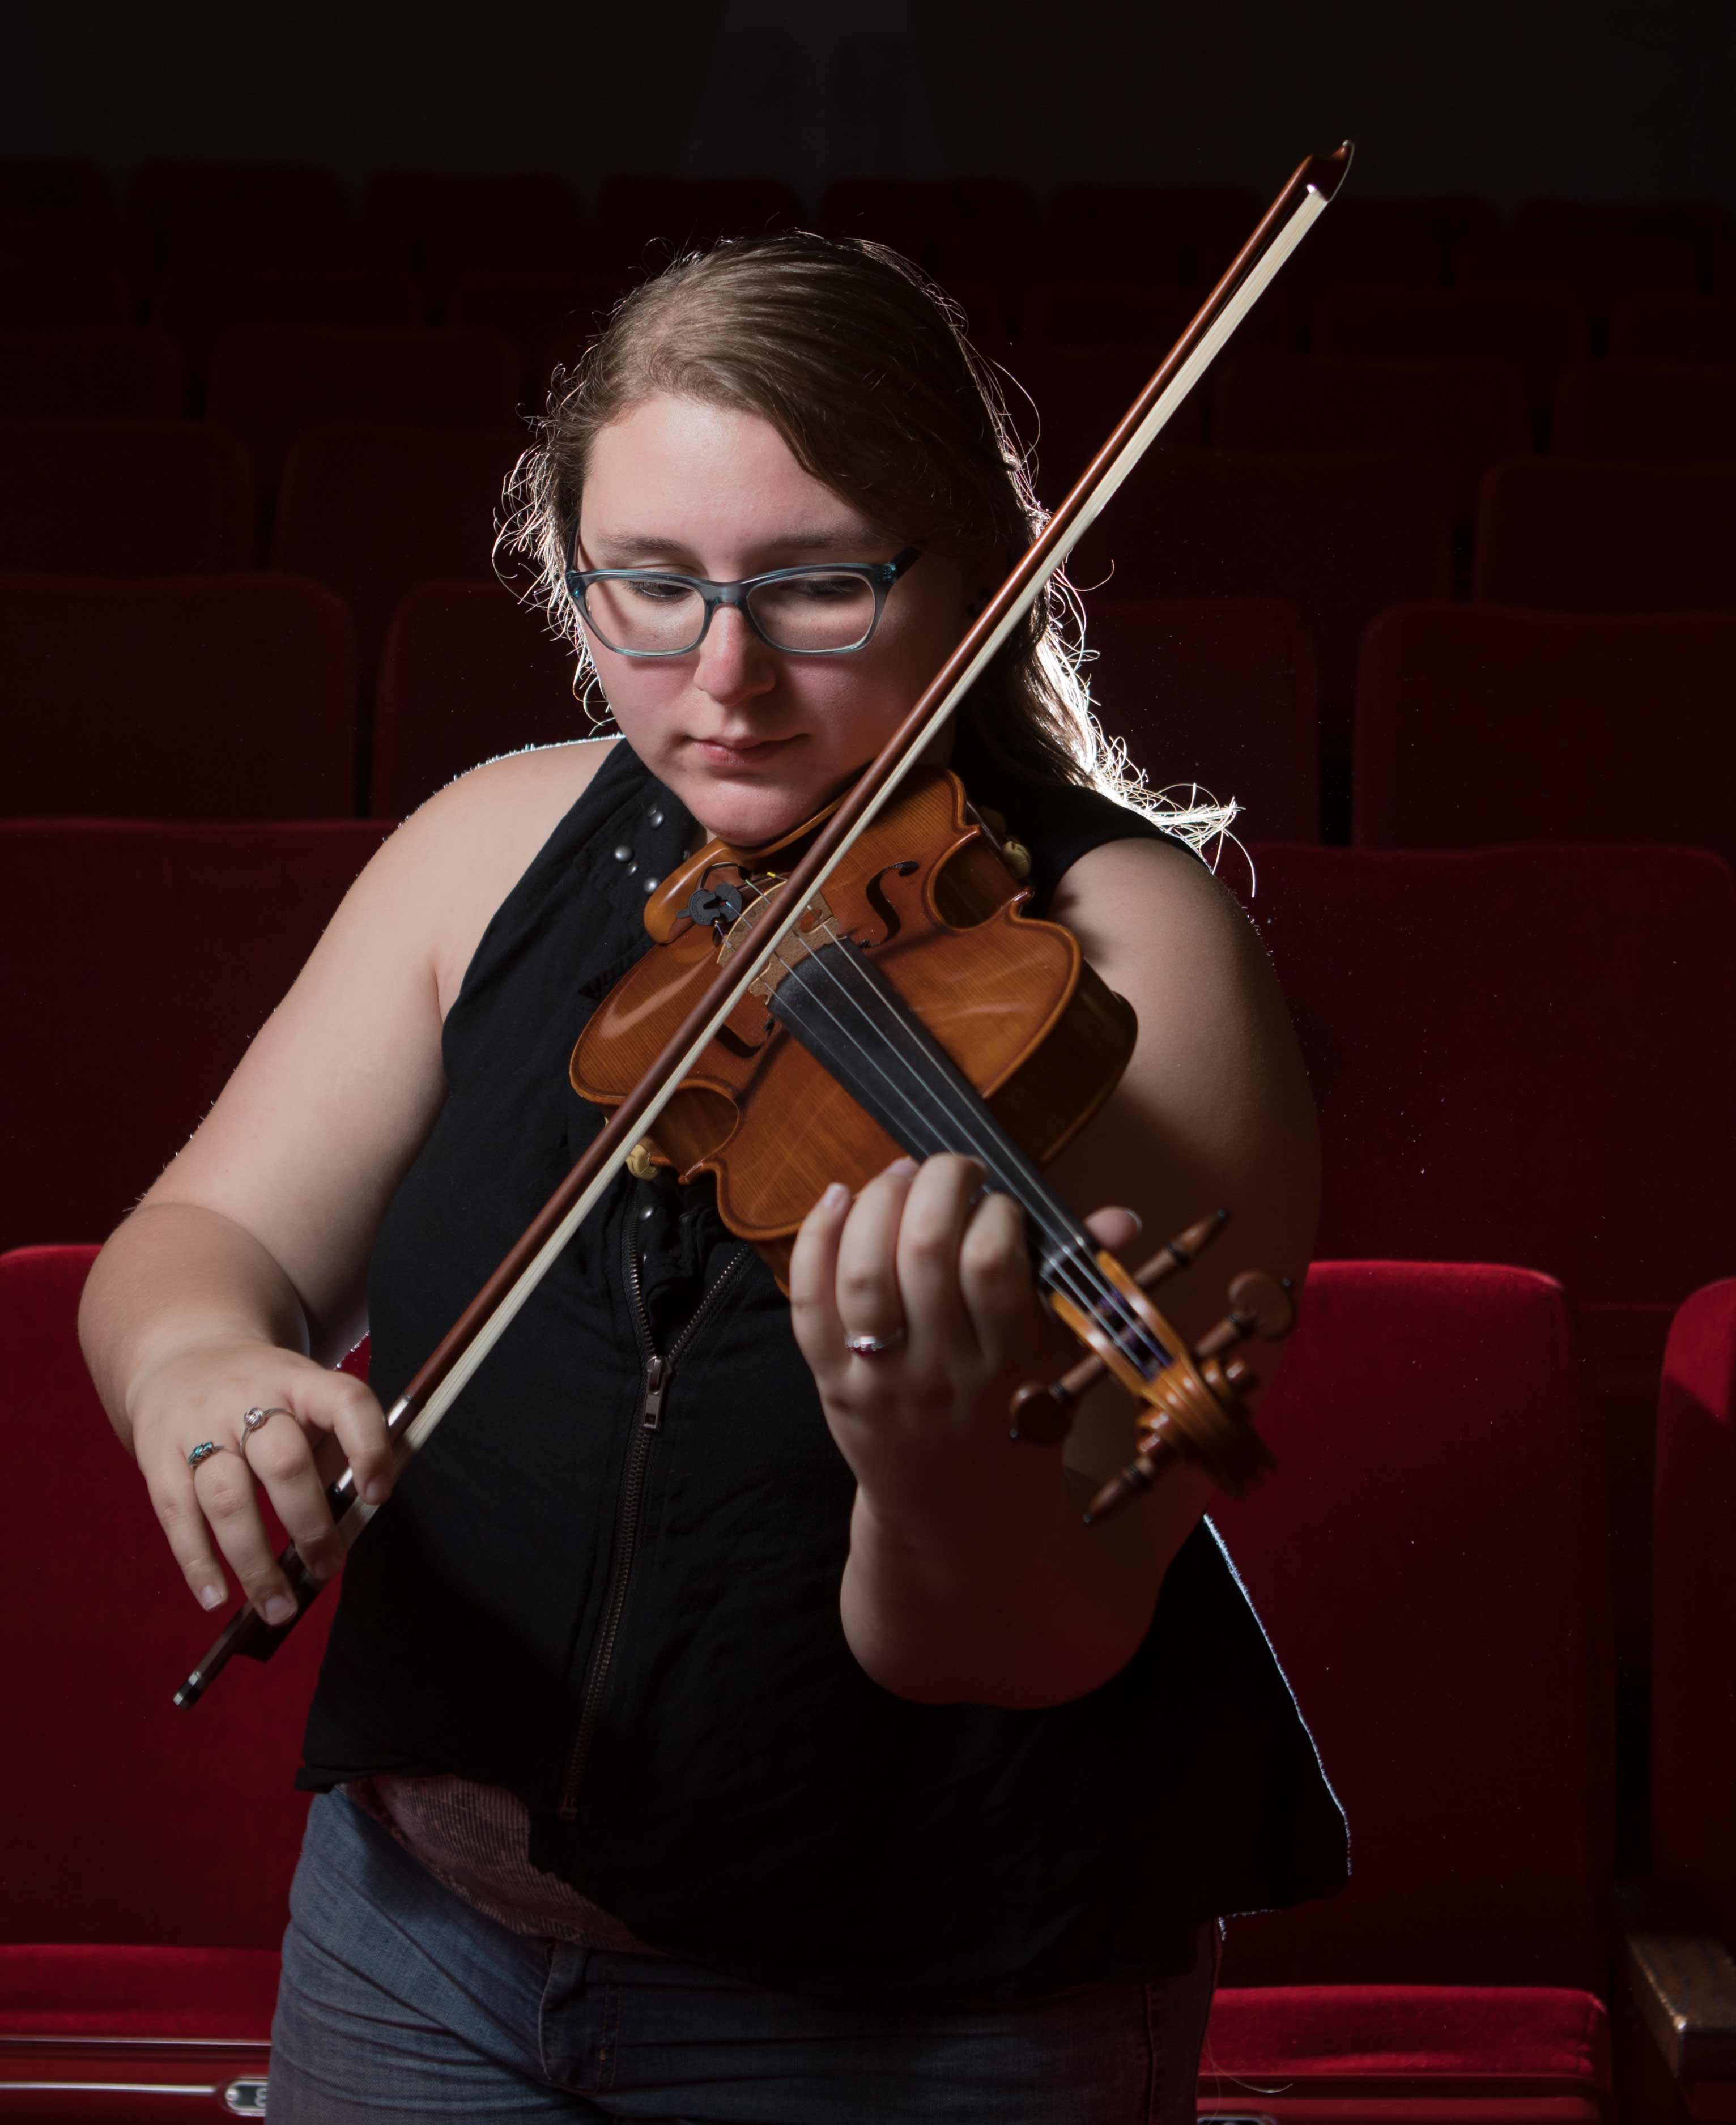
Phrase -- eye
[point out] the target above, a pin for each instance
(659, 590)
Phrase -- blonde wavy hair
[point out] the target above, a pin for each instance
(863, 367)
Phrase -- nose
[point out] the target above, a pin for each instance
(735, 664)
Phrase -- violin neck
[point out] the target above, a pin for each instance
(855, 1026)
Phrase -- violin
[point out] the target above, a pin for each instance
(885, 992)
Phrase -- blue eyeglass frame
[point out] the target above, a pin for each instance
(880, 576)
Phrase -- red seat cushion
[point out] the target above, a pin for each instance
(1414, 2052)
(138, 2034)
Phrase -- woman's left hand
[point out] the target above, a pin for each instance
(925, 1264)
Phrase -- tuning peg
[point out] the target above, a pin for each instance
(1259, 1305)
(1043, 1415)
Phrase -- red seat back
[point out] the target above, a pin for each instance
(202, 697)
(1647, 409)
(1477, 724)
(176, 498)
(1465, 414)
(125, 1820)
(1339, 536)
(1675, 328)
(1694, 1606)
(270, 382)
(468, 672)
(373, 511)
(1449, 1005)
(446, 222)
(91, 373)
(141, 960)
(1429, 1559)
(1219, 692)
(1571, 535)
(273, 213)
(1539, 328)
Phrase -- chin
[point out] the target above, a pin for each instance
(747, 810)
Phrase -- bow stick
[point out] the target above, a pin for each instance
(431, 1392)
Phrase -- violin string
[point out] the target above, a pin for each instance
(1089, 1287)
(1081, 1281)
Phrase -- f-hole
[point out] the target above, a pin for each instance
(883, 907)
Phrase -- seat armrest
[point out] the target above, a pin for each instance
(1684, 1986)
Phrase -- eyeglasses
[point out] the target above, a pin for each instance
(825, 609)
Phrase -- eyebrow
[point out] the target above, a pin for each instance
(638, 546)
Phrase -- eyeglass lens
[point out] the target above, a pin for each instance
(661, 615)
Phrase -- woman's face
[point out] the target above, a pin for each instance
(751, 740)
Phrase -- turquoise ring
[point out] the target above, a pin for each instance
(203, 1451)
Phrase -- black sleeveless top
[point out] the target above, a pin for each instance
(624, 1607)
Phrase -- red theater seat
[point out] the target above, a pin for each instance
(681, 213)
(139, 1955)
(1608, 248)
(1447, 1006)
(373, 511)
(468, 672)
(1464, 414)
(1185, 235)
(1693, 1609)
(958, 228)
(1342, 537)
(90, 1852)
(270, 382)
(1675, 328)
(1541, 329)
(446, 223)
(31, 183)
(91, 373)
(261, 214)
(1571, 535)
(226, 697)
(41, 292)
(124, 498)
(199, 303)
(97, 2031)
(1430, 1560)
(1647, 409)
(1681, 1923)
(1219, 692)
(1079, 393)
(142, 958)
(1479, 724)
(1425, 2054)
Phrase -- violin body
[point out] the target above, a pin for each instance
(935, 911)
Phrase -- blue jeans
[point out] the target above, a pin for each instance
(399, 2001)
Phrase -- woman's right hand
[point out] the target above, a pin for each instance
(203, 1393)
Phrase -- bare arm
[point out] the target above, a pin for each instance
(240, 1278)
(970, 1578)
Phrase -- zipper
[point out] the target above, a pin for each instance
(659, 1369)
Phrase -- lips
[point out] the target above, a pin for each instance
(720, 752)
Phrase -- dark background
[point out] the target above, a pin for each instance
(1599, 99)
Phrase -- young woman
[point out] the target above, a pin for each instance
(721, 1723)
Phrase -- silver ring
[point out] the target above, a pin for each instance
(873, 1346)
(203, 1451)
(251, 1422)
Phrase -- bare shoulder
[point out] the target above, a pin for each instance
(1147, 909)
(464, 850)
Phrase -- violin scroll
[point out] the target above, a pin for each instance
(1192, 1406)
